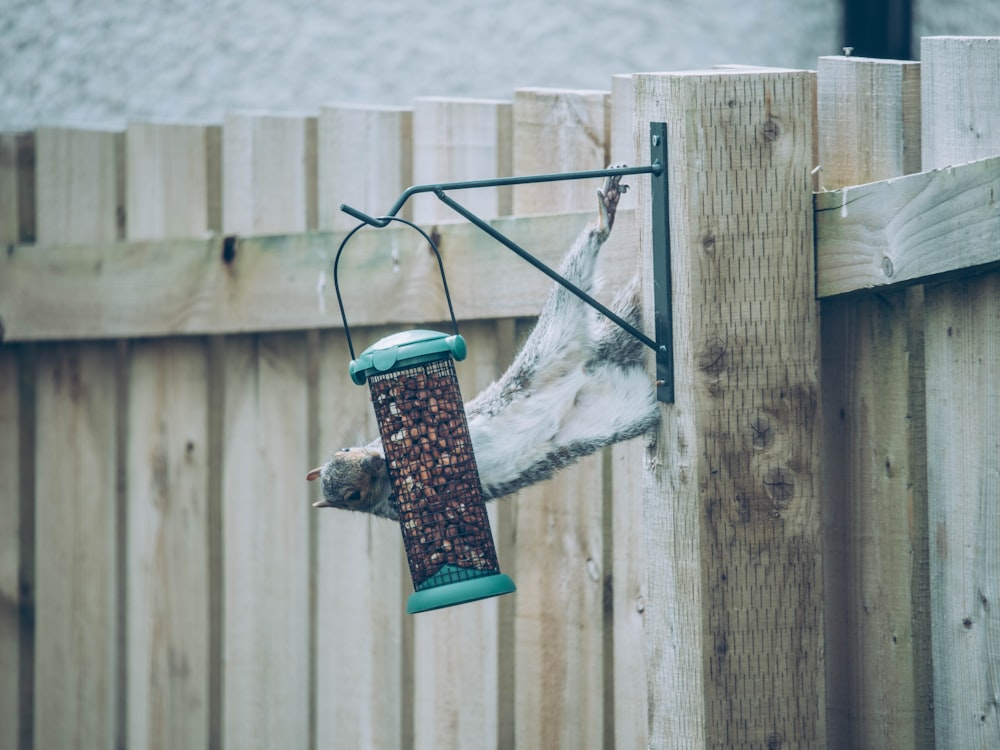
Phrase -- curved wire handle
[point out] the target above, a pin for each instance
(385, 221)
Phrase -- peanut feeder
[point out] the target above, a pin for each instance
(429, 457)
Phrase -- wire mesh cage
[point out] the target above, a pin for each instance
(431, 463)
(429, 456)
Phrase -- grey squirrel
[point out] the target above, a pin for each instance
(577, 385)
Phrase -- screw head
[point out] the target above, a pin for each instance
(656, 140)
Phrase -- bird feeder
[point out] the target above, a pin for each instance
(431, 464)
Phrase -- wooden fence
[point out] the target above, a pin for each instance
(806, 554)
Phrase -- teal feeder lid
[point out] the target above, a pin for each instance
(405, 349)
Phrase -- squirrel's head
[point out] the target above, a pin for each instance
(355, 479)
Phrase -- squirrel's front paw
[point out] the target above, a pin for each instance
(607, 200)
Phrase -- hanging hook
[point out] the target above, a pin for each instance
(383, 222)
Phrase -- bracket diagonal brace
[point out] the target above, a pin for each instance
(657, 169)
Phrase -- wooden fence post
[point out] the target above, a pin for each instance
(732, 502)
(960, 91)
(877, 651)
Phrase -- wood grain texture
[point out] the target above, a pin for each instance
(11, 597)
(558, 131)
(365, 161)
(167, 548)
(735, 618)
(360, 571)
(961, 104)
(625, 469)
(461, 139)
(909, 229)
(877, 649)
(456, 649)
(559, 622)
(79, 176)
(173, 191)
(268, 186)
(269, 182)
(76, 634)
(285, 282)
(266, 543)
(173, 180)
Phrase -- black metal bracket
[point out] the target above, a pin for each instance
(657, 170)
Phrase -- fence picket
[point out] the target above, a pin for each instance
(268, 186)
(364, 161)
(875, 556)
(961, 106)
(172, 189)
(559, 621)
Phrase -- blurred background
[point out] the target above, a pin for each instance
(99, 62)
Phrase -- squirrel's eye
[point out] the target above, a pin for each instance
(353, 497)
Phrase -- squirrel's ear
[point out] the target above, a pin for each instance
(314, 474)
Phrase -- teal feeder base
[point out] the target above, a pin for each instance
(436, 592)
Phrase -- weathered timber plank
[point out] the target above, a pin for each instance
(455, 697)
(961, 99)
(461, 139)
(625, 548)
(360, 570)
(365, 161)
(558, 131)
(559, 619)
(167, 551)
(76, 634)
(908, 229)
(456, 649)
(17, 188)
(156, 288)
(11, 597)
(877, 646)
(79, 185)
(265, 513)
(173, 192)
